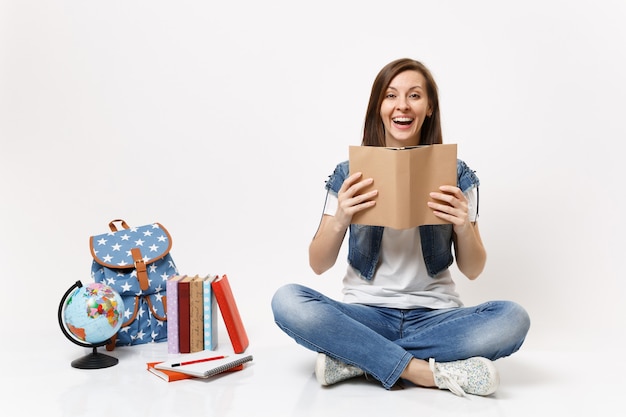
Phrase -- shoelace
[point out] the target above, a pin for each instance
(449, 379)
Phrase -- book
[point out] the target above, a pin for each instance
(184, 345)
(171, 287)
(230, 313)
(404, 178)
(204, 364)
(210, 314)
(166, 374)
(196, 315)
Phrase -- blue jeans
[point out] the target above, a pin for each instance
(381, 341)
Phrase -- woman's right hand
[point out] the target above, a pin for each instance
(350, 199)
(327, 241)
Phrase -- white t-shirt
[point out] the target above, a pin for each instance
(401, 279)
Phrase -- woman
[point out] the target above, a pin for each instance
(401, 318)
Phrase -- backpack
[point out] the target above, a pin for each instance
(135, 262)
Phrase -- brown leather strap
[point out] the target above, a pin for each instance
(153, 310)
(114, 228)
(140, 267)
(111, 344)
(133, 316)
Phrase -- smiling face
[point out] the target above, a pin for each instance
(404, 108)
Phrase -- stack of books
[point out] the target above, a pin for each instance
(191, 314)
(192, 303)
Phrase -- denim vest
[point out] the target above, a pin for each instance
(365, 241)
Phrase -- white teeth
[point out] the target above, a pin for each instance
(403, 119)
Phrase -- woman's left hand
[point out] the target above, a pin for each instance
(450, 204)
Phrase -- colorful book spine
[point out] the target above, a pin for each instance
(184, 345)
(196, 320)
(230, 314)
(171, 287)
(210, 314)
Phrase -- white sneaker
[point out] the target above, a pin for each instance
(476, 376)
(329, 371)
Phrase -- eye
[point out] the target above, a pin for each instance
(390, 95)
(415, 96)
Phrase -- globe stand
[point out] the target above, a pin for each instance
(93, 360)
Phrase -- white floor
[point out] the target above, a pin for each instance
(280, 382)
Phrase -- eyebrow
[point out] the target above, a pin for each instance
(411, 88)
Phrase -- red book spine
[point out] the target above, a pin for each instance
(230, 313)
(184, 340)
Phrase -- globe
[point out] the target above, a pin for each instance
(89, 315)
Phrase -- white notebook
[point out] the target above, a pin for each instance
(204, 364)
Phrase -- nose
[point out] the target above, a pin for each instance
(402, 103)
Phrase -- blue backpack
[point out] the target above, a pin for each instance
(135, 262)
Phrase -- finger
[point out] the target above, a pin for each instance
(354, 189)
(365, 197)
(450, 189)
(447, 198)
(458, 209)
(348, 182)
(359, 186)
(451, 214)
(361, 199)
(448, 217)
(455, 197)
(443, 208)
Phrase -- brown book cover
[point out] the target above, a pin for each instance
(230, 313)
(404, 178)
(196, 316)
(184, 341)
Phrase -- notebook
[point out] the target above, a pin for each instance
(204, 364)
(167, 375)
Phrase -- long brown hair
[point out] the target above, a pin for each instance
(374, 130)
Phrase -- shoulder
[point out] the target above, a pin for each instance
(343, 167)
(336, 179)
(466, 177)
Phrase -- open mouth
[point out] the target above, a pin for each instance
(403, 121)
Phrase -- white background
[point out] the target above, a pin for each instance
(222, 120)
